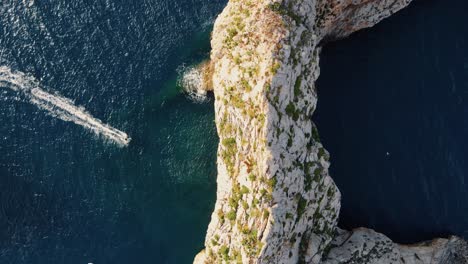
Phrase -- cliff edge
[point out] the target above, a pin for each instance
(276, 202)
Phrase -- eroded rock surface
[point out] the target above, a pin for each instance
(367, 246)
(276, 202)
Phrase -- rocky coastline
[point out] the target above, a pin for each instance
(276, 202)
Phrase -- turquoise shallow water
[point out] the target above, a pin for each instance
(68, 196)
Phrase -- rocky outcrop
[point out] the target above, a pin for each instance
(340, 18)
(367, 246)
(276, 202)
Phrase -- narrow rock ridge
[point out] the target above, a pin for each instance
(276, 202)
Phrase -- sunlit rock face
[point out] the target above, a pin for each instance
(276, 202)
(367, 246)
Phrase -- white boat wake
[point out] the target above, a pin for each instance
(58, 106)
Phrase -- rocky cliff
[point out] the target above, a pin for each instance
(367, 246)
(276, 202)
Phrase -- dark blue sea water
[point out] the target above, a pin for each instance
(68, 196)
(393, 112)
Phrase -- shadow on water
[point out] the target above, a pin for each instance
(392, 111)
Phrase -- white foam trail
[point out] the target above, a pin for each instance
(192, 83)
(58, 106)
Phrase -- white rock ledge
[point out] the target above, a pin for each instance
(367, 246)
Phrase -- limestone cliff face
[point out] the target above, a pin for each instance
(339, 18)
(276, 202)
(367, 246)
